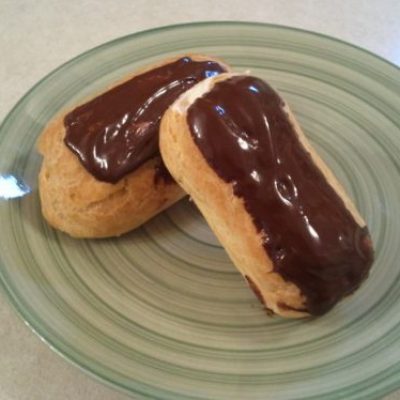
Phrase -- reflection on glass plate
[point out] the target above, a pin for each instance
(161, 312)
(12, 187)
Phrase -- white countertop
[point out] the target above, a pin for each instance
(37, 36)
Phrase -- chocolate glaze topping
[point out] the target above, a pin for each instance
(243, 131)
(116, 132)
(162, 174)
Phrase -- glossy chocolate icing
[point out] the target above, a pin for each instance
(243, 131)
(116, 132)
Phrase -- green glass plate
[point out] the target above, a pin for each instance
(161, 312)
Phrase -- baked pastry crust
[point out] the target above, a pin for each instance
(225, 212)
(75, 202)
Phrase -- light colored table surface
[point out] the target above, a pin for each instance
(38, 35)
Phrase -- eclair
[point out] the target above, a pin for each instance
(286, 222)
(102, 174)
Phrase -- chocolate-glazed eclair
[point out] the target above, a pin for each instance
(235, 147)
(102, 174)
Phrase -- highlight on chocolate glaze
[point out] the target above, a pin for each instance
(311, 237)
(116, 132)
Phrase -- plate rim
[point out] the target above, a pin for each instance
(203, 23)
